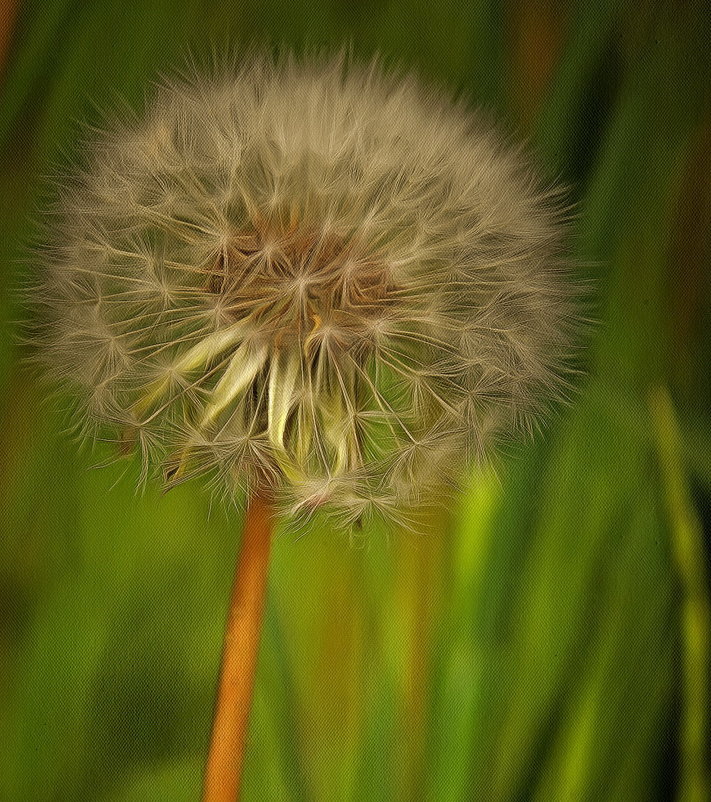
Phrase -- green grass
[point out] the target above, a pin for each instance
(544, 642)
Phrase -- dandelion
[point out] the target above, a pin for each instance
(322, 284)
(308, 276)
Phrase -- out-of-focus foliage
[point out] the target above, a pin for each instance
(549, 640)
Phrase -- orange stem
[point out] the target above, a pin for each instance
(223, 772)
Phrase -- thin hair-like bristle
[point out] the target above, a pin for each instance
(311, 274)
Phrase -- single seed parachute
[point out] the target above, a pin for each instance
(311, 276)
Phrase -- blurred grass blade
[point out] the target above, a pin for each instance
(689, 555)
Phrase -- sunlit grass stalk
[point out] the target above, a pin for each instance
(225, 762)
(688, 553)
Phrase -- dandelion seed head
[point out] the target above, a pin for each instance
(311, 276)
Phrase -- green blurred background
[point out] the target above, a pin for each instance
(550, 639)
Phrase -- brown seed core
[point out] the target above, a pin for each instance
(292, 282)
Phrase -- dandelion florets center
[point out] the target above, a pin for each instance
(290, 283)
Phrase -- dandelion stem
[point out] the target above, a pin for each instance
(223, 772)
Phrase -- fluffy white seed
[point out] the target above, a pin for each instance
(311, 275)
